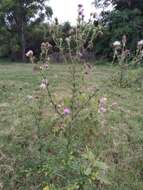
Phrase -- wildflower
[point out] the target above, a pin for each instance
(43, 46)
(94, 15)
(56, 21)
(46, 66)
(102, 110)
(80, 5)
(41, 68)
(43, 86)
(67, 111)
(61, 40)
(71, 31)
(48, 45)
(140, 43)
(81, 11)
(68, 40)
(83, 16)
(29, 53)
(117, 44)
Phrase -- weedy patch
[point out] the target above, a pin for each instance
(119, 143)
(66, 127)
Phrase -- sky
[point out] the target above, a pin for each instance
(66, 10)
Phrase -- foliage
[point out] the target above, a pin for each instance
(15, 17)
(125, 18)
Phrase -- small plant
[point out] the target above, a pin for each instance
(138, 61)
(138, 58)
(124, 59)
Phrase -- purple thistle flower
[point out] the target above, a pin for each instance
(80, 5)
(67, 111)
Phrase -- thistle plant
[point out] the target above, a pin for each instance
(138, 60)
(69, 112)
(121, 54)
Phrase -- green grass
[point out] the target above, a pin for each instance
(120, 143)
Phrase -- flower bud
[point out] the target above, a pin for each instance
(117, 44)
(29, 53)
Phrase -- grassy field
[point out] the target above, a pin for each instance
(119, 143)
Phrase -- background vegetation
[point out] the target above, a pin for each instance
(26, 29)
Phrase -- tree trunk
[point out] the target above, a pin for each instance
(23, 44)
(22, 31)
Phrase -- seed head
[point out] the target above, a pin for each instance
(29, 53)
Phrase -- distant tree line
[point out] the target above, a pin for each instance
(25, 24)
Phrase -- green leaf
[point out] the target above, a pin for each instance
(88, 171)
(101, 165)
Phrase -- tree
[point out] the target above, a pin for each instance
(127, 4)
(126, 17)
(16, 16)
(121, 4)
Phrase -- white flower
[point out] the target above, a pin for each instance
(140, 43)
(117, 44)
(43, 86)
(29, 53)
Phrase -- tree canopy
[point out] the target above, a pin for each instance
(15, 18)
(23, 25)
